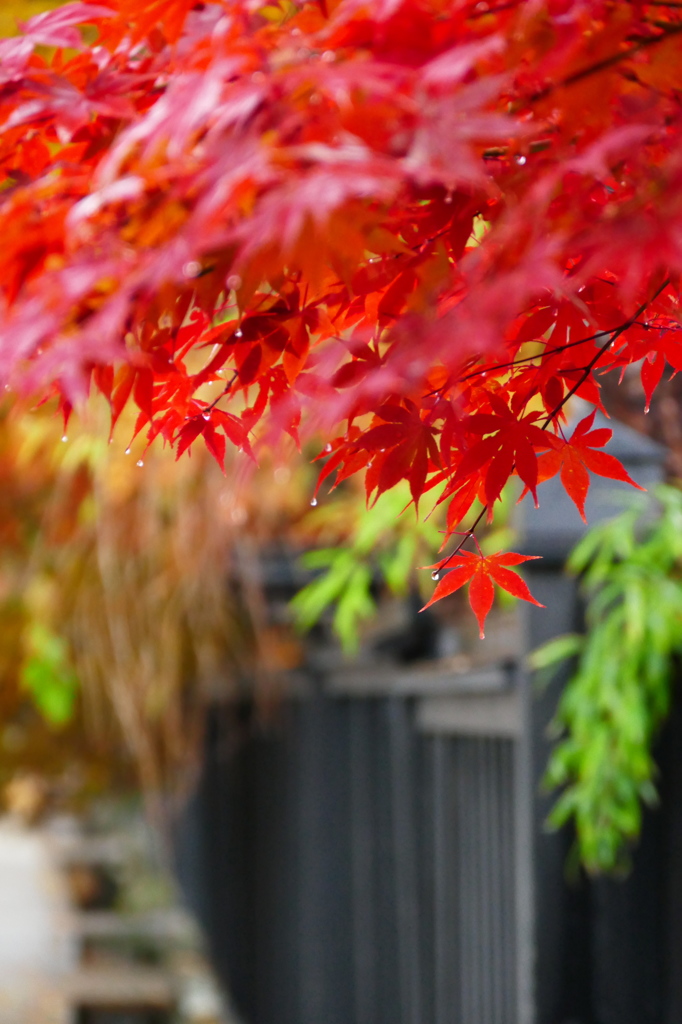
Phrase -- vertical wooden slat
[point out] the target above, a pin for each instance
(404, 859)
(445, 967)
(362, 838)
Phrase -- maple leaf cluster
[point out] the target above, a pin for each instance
(414, 227)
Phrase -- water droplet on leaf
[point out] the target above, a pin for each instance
(64, 437)
(239, 333)
(521, 160)
(435, 575)
(313, 502)
(139, 463)
(127, 451)
(327, 448)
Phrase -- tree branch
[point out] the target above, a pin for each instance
(607, 62)
(613, 335)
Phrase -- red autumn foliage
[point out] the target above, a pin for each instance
(578, 455)
(417, 227)
(480, 573)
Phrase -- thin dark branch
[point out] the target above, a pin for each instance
(563, 348)
(615, 58)
(469, 533)
(600, 352)
(539, 355)
(226, 390)
(613, 335)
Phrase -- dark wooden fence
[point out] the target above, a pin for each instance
(377, 855)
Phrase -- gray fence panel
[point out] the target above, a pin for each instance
(371, 869)
(482, 775)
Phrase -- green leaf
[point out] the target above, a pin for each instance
(555, 651)
(397, 564)
(355, 604)
(613, 704)
(47, 675)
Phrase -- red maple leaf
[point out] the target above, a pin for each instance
(509, 445)
(401, 447)
(481, 572)
(573, 458)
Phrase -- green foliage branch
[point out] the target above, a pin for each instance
(620, 690)
(378, 543)
(378, 547)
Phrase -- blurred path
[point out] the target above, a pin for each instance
(36, 944)
(43, 973)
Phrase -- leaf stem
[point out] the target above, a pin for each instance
(612, 336)
(600, 352)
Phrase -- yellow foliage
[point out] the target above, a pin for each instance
(14, 11)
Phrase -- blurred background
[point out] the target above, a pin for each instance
(244, 779)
